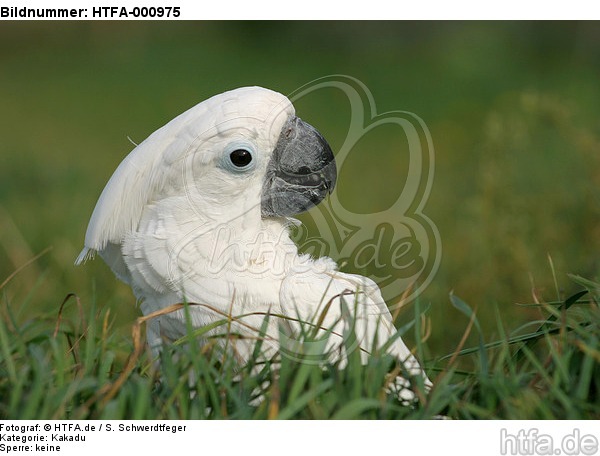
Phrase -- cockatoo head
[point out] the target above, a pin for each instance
(240, 155)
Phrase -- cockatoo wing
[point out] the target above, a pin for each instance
(309, 293)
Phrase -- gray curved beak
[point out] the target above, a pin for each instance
(301, 171)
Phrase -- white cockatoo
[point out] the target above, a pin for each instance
(200, 212)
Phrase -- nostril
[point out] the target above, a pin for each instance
(304, 170)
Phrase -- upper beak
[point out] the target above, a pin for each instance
(301, 171)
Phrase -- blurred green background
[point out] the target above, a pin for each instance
(513, 109)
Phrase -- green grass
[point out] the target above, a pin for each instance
(76, 367)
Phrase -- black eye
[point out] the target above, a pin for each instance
(240, 158)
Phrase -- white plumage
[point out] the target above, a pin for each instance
(181, 220)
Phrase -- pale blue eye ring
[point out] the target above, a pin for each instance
(240, 156)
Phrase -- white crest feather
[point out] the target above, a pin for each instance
(141, 176)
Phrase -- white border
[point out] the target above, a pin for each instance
(319, 9)
(301, 438)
